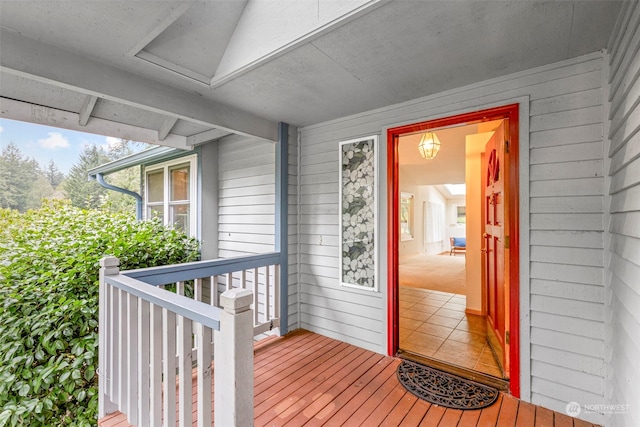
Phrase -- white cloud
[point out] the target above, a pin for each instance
(54, 141)
(1, 129)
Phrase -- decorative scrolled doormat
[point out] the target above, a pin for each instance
(443, 389)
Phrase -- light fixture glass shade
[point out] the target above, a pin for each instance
(429, 145)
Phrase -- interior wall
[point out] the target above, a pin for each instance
(623, 287)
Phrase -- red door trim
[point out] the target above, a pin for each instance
(393, 193)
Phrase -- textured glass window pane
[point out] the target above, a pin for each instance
(155, 186)
(180, 217)
(180, 183)
(155, 212)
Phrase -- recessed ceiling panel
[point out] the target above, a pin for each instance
(194, 43)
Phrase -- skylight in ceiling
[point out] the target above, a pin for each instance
(456, 189)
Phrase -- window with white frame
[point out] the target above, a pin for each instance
(170, 193)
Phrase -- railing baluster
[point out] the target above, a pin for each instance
(256, 289)
(114, 353)
(155, 345)
(267, 293)
(243, 279)
(144, 365)
(214, 291)
(205, 337)
(197, 290)
(185, 384)
(169, 367)
(132, 363)
(180, 288)
(123, 356)
(276, 291)
(229, 280)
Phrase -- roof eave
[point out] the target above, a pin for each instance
(151, 155)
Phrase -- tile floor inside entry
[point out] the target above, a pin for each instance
(434, 324)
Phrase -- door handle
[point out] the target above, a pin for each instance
(483, 250)
(485, 235)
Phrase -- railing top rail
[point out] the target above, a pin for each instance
(191, 309)
(194, 270)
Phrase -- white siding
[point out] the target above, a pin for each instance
(562, 213)
(246, 189)
(623, 291)
(246, 203)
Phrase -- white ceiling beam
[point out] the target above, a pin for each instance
(26, 112)
(86, 110)
(205, 136)
(35, 60)
(166, 127)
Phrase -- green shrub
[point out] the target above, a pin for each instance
(49, 263)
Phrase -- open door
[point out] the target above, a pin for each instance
(497, 180)
(496, 243)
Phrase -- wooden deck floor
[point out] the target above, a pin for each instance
(308, 379)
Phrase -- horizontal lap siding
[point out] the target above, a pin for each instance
(246, 204)
(246, 188)
(566, 205)
(623, 321)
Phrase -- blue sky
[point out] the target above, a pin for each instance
(46, 143)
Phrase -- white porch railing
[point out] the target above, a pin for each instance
(150, 338)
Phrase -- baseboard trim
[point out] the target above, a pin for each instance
(474, 312)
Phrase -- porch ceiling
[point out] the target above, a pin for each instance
(182, 73)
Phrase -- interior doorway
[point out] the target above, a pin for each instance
(453, 256)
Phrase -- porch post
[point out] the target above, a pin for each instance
(281, 220)
(233, 358)
(109, 266)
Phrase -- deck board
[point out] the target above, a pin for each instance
(311, 380)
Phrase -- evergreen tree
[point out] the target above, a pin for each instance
(53, 174)
(82, 192)
(17, 176)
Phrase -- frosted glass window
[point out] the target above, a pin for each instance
(358, 213)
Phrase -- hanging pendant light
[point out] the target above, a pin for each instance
(429, 145)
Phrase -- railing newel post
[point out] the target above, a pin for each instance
(233, 358)
(109, 266)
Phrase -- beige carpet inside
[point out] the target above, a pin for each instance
(435, 272)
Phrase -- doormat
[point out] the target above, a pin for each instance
(444, 389)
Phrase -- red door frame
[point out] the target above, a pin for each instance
(509, 112)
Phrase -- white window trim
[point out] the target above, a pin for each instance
(193, 189)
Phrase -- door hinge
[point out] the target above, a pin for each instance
(506, 146)
(507, 337)
(507, 242)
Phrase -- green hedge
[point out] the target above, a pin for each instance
(49, 262)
